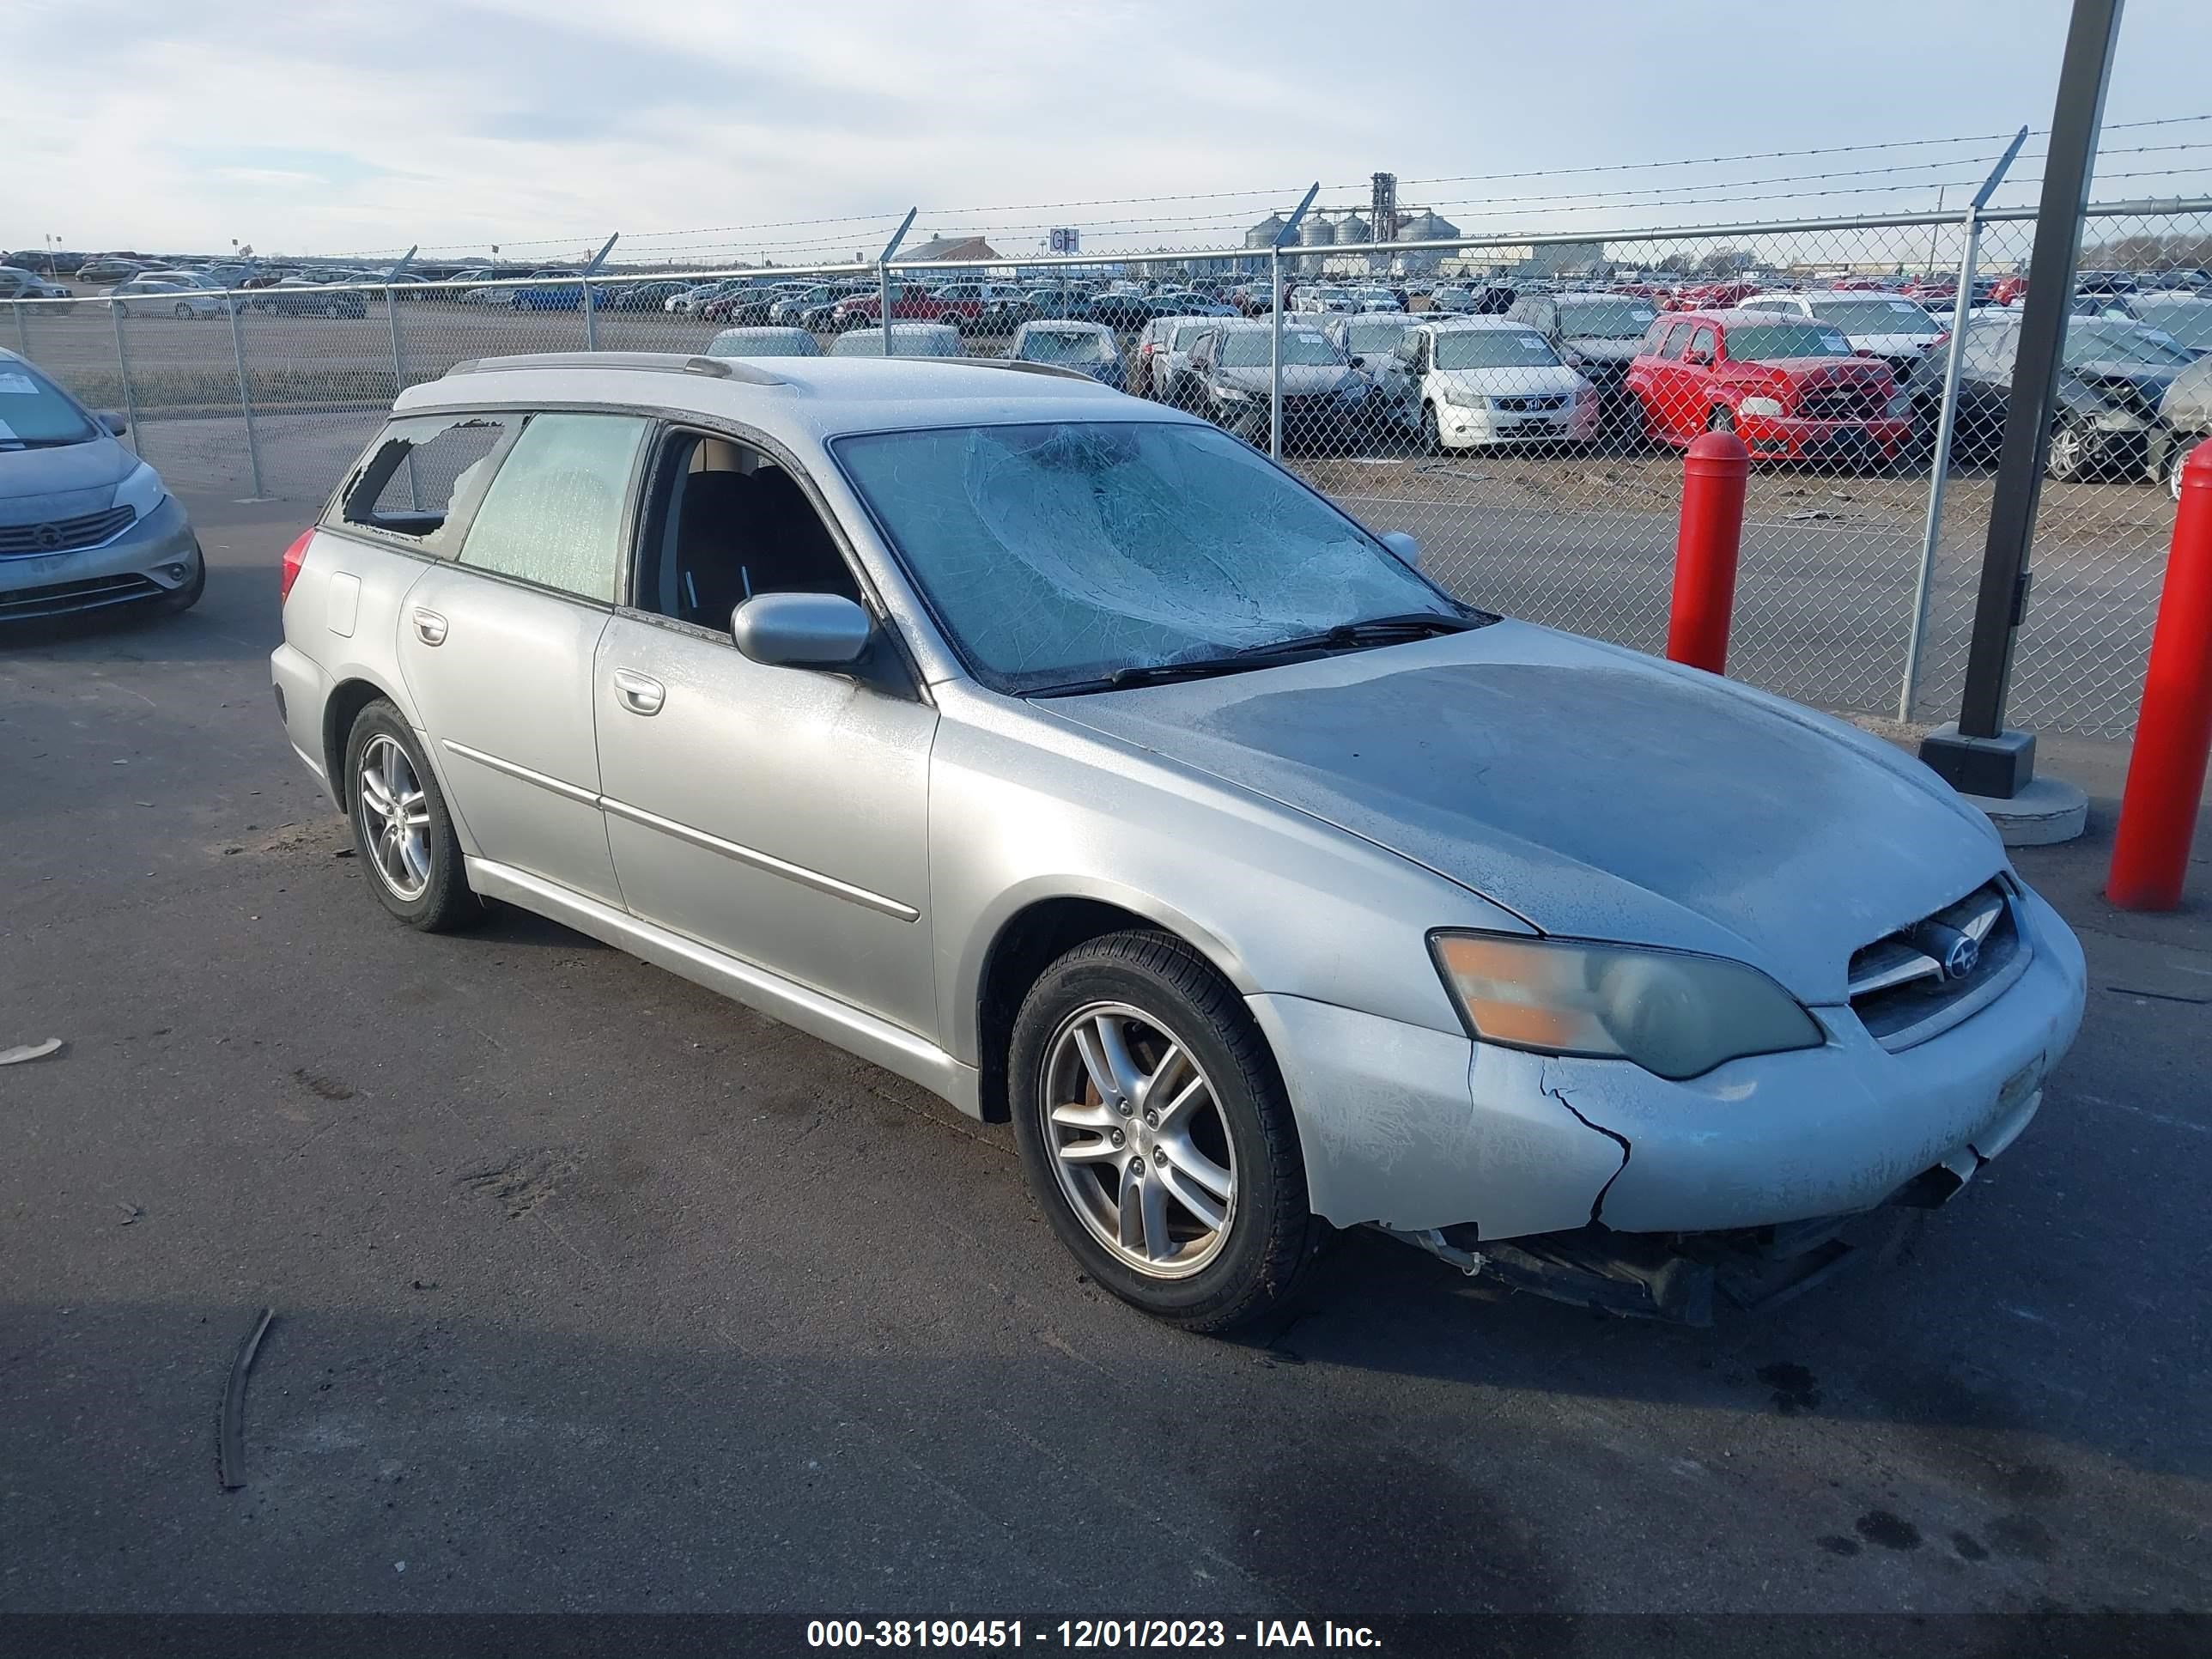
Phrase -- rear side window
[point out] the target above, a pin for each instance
(557, 513)
(423, 473)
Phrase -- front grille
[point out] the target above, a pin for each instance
(19, 541)
(1852, 403)
(1911, 985)
(58, 598)
(1527, 405)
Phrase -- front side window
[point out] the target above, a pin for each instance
(2123, 342)
(1051, 555)
(725, 522)
(556, 513)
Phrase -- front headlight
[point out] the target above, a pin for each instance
(1769, 407)
(1230, 394)
(1899, 406)
(141, 491)
(1464, 397)
(1675, 1015)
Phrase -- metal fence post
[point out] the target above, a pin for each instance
(123, 363)
(884, 276)
(591, 312)
(1939, 471)
(22, 331)
(230, 303)
(399, 385)
(1275, 354)
(1289, 231)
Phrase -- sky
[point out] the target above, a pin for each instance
(742, 128)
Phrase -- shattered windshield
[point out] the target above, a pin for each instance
(1053, 554)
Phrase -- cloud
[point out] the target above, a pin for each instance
(544, 123)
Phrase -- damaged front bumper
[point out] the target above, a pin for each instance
(1426, 1134)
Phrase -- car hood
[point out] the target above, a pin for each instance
(1299, 380)
(1596, 792)
(1893, 345)
(40, 484)
(1511, 381)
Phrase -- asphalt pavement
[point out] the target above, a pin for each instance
(593, 1292)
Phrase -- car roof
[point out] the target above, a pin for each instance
(795, 398)
(1462, 324)
(1072, 324)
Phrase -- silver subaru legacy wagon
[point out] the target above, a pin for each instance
(1062, 754)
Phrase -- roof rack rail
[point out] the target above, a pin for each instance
(666, 362)
(1058, 371)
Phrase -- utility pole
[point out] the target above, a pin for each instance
(1978, 755)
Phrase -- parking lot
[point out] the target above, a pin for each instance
(1581, 538)
(595, 1292)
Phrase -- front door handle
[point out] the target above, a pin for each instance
(429, 627)
(640, 694)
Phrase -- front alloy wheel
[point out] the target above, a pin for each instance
(2070, 457)
(1155, 1133)
(1138, 1142)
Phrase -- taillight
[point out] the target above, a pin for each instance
(294, 557)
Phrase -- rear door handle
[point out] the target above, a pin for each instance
(429, 627)
(640, 694)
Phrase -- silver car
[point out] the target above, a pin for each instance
(84, 524)
(1061, 754)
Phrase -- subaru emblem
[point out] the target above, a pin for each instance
(1964, 956)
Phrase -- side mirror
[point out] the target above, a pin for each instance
(1406, 549)
(801, 630)
(1698, 359)
(113, 421)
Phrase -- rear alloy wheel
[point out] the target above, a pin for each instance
(1721, 420)
(1154, 1130)
(2070, 457)
(401, 828)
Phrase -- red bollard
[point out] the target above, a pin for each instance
(2173, 732)
(1714, 474)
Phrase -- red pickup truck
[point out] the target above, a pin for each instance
(910, 303)
(1790, 387)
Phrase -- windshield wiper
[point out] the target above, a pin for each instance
(1371, 630)
(1374, 630)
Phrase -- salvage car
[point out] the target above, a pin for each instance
(1324, 400)
(84, 524)
(1090, 770)
(1471, 382)
(1596, 335)
(1791, 387)
(1896, 329)
(2185, 421)
(1089, 348)
(2114, 374)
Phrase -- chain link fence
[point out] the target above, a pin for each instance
(1520, 406)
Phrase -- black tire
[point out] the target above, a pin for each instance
(184, 311)
(447, 902)
(1433, 436)
(1271, 1237)
(1720, 419)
